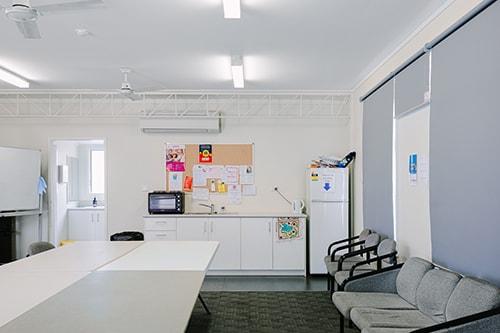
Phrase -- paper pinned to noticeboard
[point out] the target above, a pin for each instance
(175, 181)
(231, 174)
(201, 194)
(248, 190)
(234, 194)
(200, 175)
(215, 172)
(247, 176)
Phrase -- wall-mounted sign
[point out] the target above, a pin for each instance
(205, 154)
(412, 168)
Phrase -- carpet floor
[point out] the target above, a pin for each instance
(266, 312)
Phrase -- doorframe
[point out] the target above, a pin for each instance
(52, 179)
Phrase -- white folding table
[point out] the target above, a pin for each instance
(129, 287)
(79, 256)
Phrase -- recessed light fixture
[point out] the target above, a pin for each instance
(238, 73)
(13, 79)
(82, 32)
(232, 9)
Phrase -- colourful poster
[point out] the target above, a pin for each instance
(288, 228)
(205, 154)
(176, 157)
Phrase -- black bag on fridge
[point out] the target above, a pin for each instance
(127, 236)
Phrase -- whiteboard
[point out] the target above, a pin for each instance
(19, 175)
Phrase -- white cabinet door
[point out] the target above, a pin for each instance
(160, 223)
(80, 225)
(256, 243)
(100, 226)
(192, 229)
(289, 254)
(227, 232)
(167, 235)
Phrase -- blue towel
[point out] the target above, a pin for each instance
(42, 185)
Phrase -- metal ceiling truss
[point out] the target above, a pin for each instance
(79, 104)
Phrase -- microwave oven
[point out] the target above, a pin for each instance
(162, 202)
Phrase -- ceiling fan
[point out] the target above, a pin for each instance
(126, 89)
(26, 16)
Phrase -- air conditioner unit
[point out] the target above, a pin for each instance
(181, 125)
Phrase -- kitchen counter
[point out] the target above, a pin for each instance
(86, 208)
(242, 215)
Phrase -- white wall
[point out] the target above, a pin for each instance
(135, 161)
(65, 149)
(413, 227)
(450, 15)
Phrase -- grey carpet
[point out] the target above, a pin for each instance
(250, 311)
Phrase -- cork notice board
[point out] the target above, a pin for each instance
(222, 154)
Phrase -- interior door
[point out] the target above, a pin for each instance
(226, 231)
(328, 223)
(192, 229)
(256, 243)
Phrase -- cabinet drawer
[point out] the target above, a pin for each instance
(160, 224)
(160, 235)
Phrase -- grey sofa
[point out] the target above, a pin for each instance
(418, 297)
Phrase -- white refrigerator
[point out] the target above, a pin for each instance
(328, 209)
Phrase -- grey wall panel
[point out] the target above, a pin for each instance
(465, 146)
(377, 161)
(411, 85)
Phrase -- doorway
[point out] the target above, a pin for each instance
(77, 190)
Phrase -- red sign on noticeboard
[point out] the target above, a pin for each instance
(205, 155)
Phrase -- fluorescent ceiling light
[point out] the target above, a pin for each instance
(13, 79)
(238, 73)
(232, 9)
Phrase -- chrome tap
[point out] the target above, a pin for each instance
(211, 206)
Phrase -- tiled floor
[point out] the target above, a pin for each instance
(257, 283)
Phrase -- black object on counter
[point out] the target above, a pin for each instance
(127, 236)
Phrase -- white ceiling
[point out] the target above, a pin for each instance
(186, 44)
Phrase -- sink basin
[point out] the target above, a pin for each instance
(91, 207)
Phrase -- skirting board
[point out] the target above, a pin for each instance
(257, 273)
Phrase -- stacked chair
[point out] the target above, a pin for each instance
(332, 257)
(385, 256)
(367, 242)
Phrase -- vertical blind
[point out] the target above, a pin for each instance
(377, 160)
(411, 85)
(464, 148)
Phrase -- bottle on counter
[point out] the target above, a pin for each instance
(94, 202)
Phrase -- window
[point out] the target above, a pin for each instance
(97, 171)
